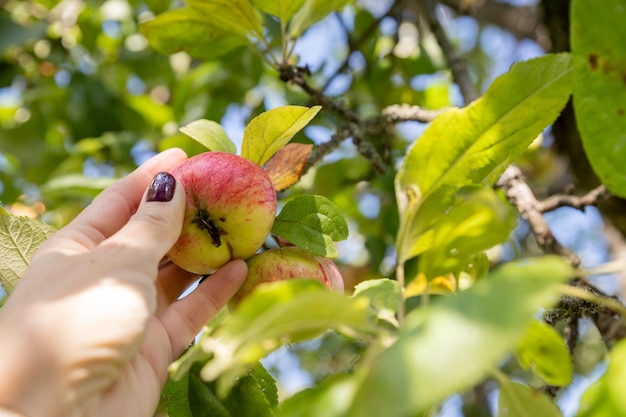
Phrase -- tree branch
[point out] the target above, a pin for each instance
(521, 196)
(521, 21)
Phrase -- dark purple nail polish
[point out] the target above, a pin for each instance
(161, 188)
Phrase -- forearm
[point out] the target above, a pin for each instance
(29, 383)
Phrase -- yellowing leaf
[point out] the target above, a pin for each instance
(286, 167)
(20, 237)
(273, 129)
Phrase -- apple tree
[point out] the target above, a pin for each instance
(459, 163)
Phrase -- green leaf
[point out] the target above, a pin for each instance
(179, 140)
(188, 30)
(544, 350)
(599, 58)
(247, 399)
(477, 221)
(331, 398)
(175, 397)
(457, 340)
(202, 400)
(519, 400)
(76, 184)
(274, 314)
(273, 129)
(209, 134)
(474, 145)
(156, 113)
(312, 12)
(605, 398)
(237, 17)
(382, 293)
(313, 223)
(266, 382)
(282, 9)
(20, 237)
(254, 395)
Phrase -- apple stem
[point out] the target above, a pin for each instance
(205, 223)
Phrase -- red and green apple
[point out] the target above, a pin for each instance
(288, 263)
(231, 206)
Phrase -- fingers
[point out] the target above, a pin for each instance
(184, 319)
(115, 205)
(154, 228)
(170, 284)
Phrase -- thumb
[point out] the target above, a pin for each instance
(157, 224)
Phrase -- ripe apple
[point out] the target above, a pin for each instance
(231, 206)
(288, 263)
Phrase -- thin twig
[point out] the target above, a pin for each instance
(455, 61)
(578, 202)
(355, 44)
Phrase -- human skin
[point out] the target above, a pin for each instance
(231, 206)
(93, 324)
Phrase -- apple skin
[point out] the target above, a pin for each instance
(231, 207)
(287, 263)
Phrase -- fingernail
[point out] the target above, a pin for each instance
(161, 188)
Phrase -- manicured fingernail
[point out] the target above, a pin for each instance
(161, 188)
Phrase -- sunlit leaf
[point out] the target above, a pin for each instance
(20, 237)
(313, 11)
(286, 167)
(519, 400)
(76, 184)
(210, 134)
(331, 398)
(274, 314)
(233, 16)
(473, 145)
(155, 113)
(179, 140)
(599, 56)
(282, 9)
(455, 341)
(543, 350)
(382, 295)
(186, 29)
(273, 129)
(477, 221)
(313, 223)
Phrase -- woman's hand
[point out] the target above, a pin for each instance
(94, 323)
